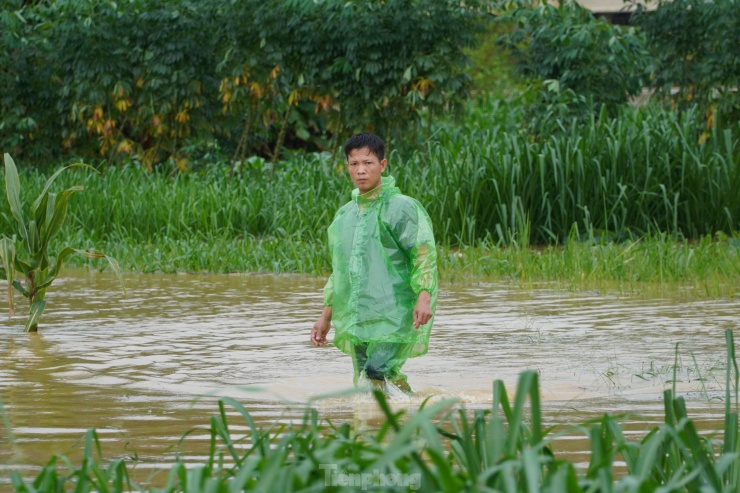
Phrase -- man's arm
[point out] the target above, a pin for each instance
(423, 310)
(415, 237)
(321, 327)
(323, 324)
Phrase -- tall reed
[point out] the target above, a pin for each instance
(648, 170)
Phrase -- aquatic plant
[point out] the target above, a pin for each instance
(26, 251)
(438, 448)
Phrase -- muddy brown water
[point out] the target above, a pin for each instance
(146, 368)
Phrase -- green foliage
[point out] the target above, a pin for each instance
(492, 68)
(487, 183)
(27, 98)
(644, 171)
(436, 448)
(707, 268)
(27, 251)
(695, 46)
(575, 61)
(134, 78)
(156, 80)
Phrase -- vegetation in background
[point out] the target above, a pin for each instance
(576, 63)
(142, 80)
(633, 199)
(154, 81)
(492, 69)
(644, 172)
(615, 179)
(438, 448)
(27, 250)
(695, 48)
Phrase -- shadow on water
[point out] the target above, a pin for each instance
(147, 368)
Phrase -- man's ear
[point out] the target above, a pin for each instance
(383, 165)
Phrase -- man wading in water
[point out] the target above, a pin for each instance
(382, 292)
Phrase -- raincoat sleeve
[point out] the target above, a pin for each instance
(329, 291)
(329, 286)
(413, 230)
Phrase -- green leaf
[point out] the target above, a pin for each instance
(34, 243)
(37, 308)
(55, 220)
(53, 177)
(17, 285)
(407, 74)
(13, 191)
(7, 254)
(39, 214)
(22, 266)
(56, 267)
(66, 252)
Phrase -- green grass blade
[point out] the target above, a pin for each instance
(37, 308)
(13, 192)
(7, 255)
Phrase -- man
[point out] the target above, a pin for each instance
(382, 292)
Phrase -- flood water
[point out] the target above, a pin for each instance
(146, 368)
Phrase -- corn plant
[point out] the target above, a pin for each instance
(27, 264)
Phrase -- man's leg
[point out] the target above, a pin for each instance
(359, 360)
(384, 361)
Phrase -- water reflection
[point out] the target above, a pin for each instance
(147, 368)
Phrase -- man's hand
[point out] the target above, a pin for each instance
(423, 309)
(321, 327)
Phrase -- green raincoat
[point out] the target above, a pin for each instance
(383, 255)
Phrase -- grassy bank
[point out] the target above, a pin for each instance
(438, 448)
(709, 267)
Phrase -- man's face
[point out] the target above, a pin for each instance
(365, 169)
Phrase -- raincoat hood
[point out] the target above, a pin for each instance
(386, 188)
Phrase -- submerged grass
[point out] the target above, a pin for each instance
(709, 267)
(437, 448)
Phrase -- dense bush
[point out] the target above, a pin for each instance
(574, 61)
(159, 80)
(686, 51)
(696, 50)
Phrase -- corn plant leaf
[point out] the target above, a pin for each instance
(57, 265)
(37, 308)
(53, 177)
(34, 242)
(39, 214)
(55, 220)
(7, 254)
(22, 266)
(17, 285)
(13, 191)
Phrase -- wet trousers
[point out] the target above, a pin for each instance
(380, 360)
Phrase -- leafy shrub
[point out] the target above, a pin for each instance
(696, 50)
(147, 78)
(572, 58)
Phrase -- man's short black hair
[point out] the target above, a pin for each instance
(365, 139)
